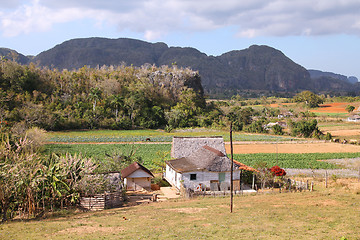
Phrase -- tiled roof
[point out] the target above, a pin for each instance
(245, 167)
(132, 168)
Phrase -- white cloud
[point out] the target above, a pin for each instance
(155, 18)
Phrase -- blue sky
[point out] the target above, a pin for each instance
(321, 34)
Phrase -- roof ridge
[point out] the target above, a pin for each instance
(217, 152)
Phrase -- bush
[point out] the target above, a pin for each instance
(277, 130)
(277, 171)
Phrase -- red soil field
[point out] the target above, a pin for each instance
(337, 107)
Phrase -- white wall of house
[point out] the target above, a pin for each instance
(138, 180)
(202, 177)
(172, 177)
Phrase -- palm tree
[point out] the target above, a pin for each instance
(95, 94)
(116, 102)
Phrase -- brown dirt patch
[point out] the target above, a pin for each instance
(345, 132)
(338, 107)
(293, 148)
(89, 229)
(187, 210)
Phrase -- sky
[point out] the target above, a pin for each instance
(317, 34)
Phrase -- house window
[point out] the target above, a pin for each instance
(193, 176)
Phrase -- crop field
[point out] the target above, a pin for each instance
(336, 107)
(294, 160)
(128, 136)
(148, 152)
(294, 148)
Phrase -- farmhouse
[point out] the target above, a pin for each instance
(354, 118)
(201, 163)
(137, 177)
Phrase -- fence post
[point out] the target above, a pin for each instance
(326, 178)
(253, 181)
(289, 184)
(312, 186)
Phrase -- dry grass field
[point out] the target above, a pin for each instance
(330, 213)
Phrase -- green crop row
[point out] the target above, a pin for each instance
(294, 160)
(100, 152)
(153, 135)
(151, 152)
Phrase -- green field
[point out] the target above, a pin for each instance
(147, 152)
(294, 160)
(150, 152)
(154, 135)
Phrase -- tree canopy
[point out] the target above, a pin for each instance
(309, 98)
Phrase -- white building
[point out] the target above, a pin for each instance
(137, 177)
(201, 163)
(354, 118)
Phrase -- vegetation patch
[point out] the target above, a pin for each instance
(294, 160)
(149, 153)
(95, 136)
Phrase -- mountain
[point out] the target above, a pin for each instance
(258, 68)
(14, 55)
(315, 74)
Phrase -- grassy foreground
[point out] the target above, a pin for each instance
(324, 214)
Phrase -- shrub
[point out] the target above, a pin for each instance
(277, 171)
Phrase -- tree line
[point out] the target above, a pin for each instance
(122, 97)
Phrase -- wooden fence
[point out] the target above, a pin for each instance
(103, 201)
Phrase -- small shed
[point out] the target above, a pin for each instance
(137, 177)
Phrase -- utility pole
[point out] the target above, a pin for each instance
(231, 173)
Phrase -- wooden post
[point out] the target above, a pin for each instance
(289, 184)
(253, 182)
(312, 186)
(326, 177)
(231, 173)
(307, 184)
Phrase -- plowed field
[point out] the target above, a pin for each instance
(337, 107)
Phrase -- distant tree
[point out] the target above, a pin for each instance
(309, 98)
(350, 108)
(304, 128)
(277, 129)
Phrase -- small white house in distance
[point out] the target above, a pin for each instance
(137, 177)
(201, 163)
(354, 118)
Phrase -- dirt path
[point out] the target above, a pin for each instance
(293, 148)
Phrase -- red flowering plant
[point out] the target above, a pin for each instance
(277, 171)
(278, 174)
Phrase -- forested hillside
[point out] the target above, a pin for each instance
(109, 97)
